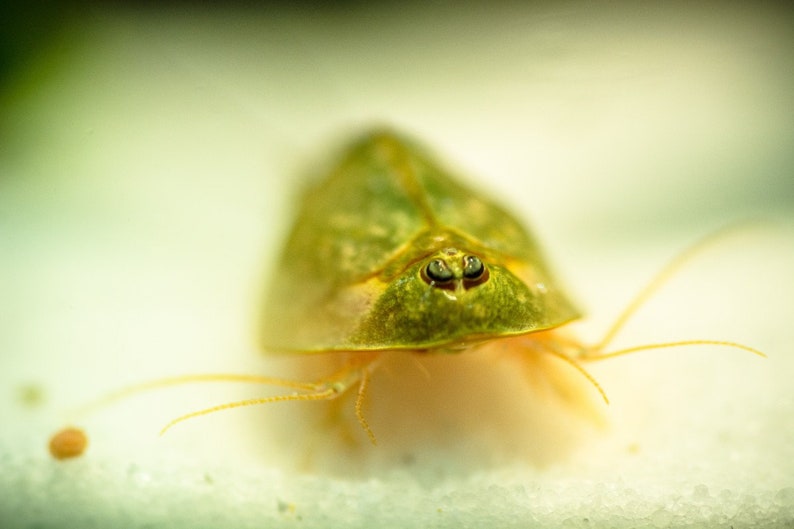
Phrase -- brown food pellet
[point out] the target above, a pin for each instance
(67, 443)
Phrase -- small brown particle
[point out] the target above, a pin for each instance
(67, 443)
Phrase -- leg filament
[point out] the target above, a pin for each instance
(327, 394)
(357, 371)
(362, 391)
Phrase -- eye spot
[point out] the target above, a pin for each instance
(438, 271)
(473, 268)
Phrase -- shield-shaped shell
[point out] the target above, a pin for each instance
(391, 252)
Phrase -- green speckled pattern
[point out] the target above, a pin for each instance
(350, 275)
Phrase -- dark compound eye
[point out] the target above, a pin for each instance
(473, 269)
(438, 271)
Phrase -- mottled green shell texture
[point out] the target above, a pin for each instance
(390, 252)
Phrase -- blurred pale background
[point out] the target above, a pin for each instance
(149, 163)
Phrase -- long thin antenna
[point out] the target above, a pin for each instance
(327, 388)
(661, 278)
(189, 379)
(327, 394)
(664, 345)
(573, 363)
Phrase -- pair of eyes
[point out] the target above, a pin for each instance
(438, 271)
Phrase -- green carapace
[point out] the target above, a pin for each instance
(391, 251)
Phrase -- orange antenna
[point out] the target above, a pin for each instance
(656, 283)
(576, 365)
(327, 388)
(681, 343)
(325, 394)
(190, 379)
